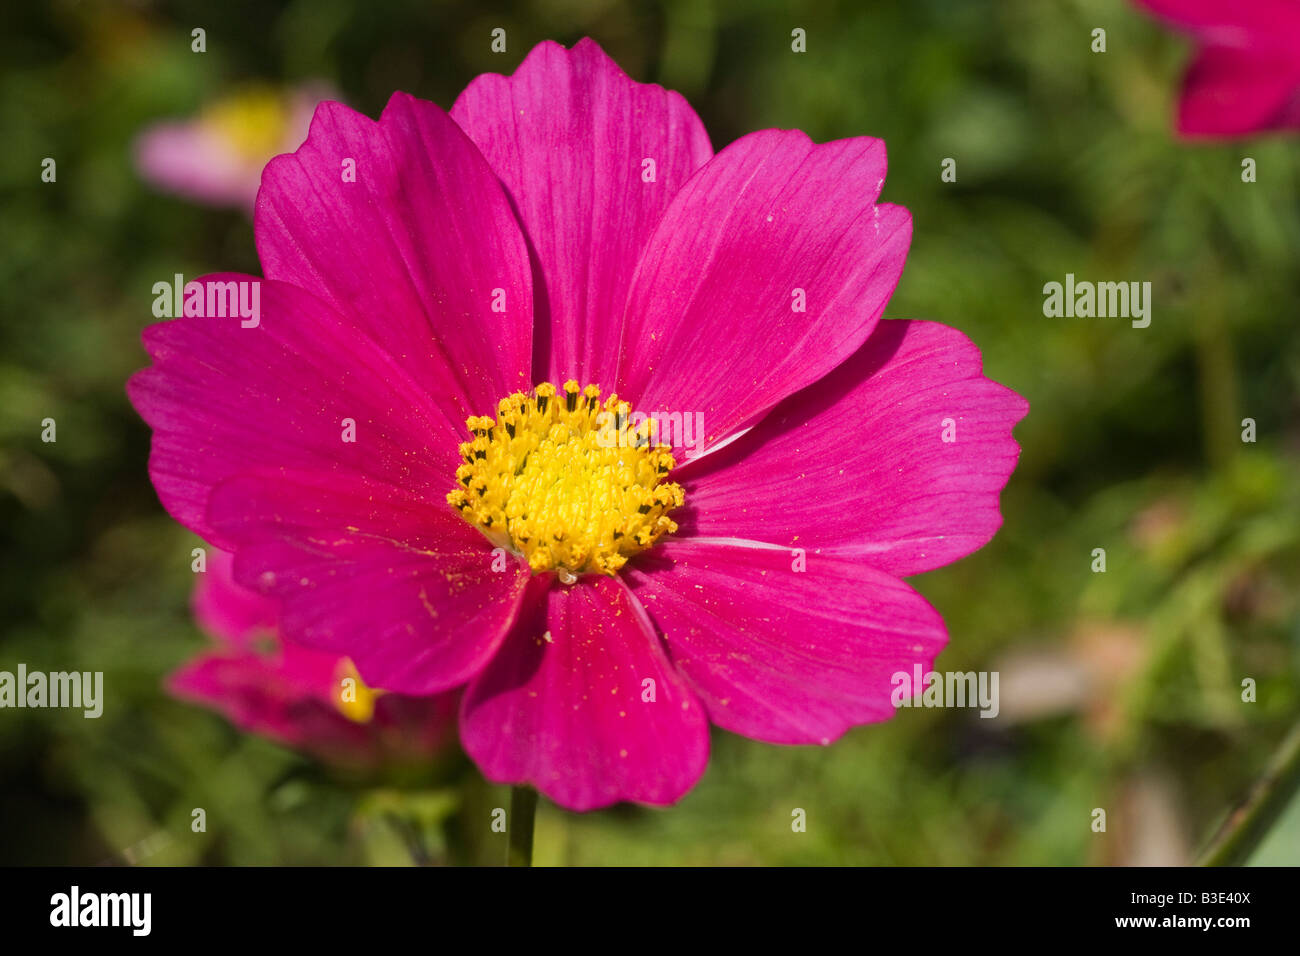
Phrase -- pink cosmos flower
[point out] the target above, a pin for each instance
(217, 157)
(1246, 75)
(567, 225)
(296, 695)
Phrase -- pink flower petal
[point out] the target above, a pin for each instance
(187, 159)
(383, 574)
(290, 695)
(1246, 76)
(222, 399)
(1232, 22)
(1233, 92)
(226, 610)
(858, 463)
(569, 134)
(780, 655)
(563, 705)
(258, 694)
(422, 251)
(711, 321)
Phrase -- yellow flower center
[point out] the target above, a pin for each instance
(253, 122)
(355, 700)
(570, 483)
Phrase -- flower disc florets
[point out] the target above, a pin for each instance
(567, 481)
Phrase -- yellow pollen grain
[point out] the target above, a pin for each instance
(566, 480)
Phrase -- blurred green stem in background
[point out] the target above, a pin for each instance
(414, 819)
(523, 811)
(1217, 364)
(1249, 823)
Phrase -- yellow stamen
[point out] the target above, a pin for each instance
(565, 481)
(355, 701)
(252, 121)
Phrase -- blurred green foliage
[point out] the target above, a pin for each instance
(1065, 163)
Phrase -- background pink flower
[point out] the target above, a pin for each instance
(777, 610)
(217, 157)
(1245, 77)
(293, 694)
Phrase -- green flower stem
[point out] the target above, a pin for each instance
(1249, 823)
(519, 828)
(412, 838)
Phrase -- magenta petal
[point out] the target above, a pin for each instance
(275, 696)
(563, 705)
(1233, 22)
(569, 134)
(858, 462)
(422, 251)
(290, 695)
(773, 223)
(384, 575)
(782, 655)
(1233, 92)
(1246, 77)
(226, 610)
(222, 398)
